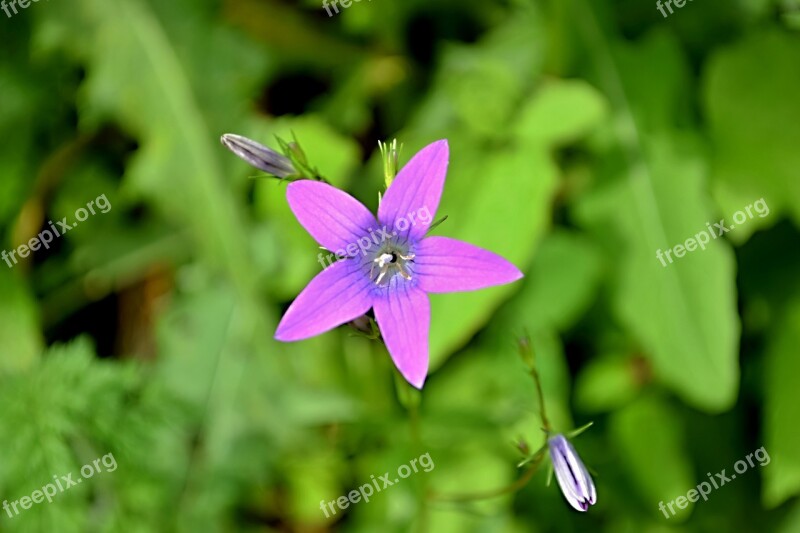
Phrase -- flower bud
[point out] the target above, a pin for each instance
(390, 155)
(258, 155)
(573, 478)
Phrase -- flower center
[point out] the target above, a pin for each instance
(388, 262)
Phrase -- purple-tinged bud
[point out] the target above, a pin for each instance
(259, 156)
(573, 478)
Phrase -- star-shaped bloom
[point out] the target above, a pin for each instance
(388, 264)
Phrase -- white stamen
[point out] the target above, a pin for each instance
(384, 259)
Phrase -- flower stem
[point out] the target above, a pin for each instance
(526, 351)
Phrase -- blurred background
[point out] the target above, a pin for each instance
(585, 136)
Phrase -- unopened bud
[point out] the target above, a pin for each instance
(390, 157)
(259, 156)
(573, 478)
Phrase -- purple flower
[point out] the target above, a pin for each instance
(573, 478)
(386, 264)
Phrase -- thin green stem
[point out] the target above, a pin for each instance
(540, 395)
(526, 351)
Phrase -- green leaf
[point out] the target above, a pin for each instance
(23, 96)
(656, 96)
(315, 477)
(465, 472)
(20, 334)
(500, 200)
(782, 417)
(750, 97)
(191, 335)
(560, 285)
(607, 383)
(141, 77)
(683, 313)
(648, 435)
(485, 82)
(792, 523)
(649, 197)
(562, 112)
(58, 416)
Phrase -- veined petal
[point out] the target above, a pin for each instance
(333, 217)
(416, 192)
(337, 295)
(574, 480)
(404, 316)
(449, 265)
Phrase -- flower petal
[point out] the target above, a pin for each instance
(416, 191)
(574, 480)
(333, 217)
(404, 317)
(337, 295)
(449, 265)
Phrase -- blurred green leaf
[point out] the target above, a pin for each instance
(140, 77)
(20, 334)
(508, 213)
(750, 96)
(466, 472)
(656, 97)
(560, 285)
(792, 522)
(607, 383)
(192, 335)
(685, 318)
(562, 112)
(651, 198)
(58, 416)
(782, 418)
(649, 437)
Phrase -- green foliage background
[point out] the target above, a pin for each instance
(585, 135)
